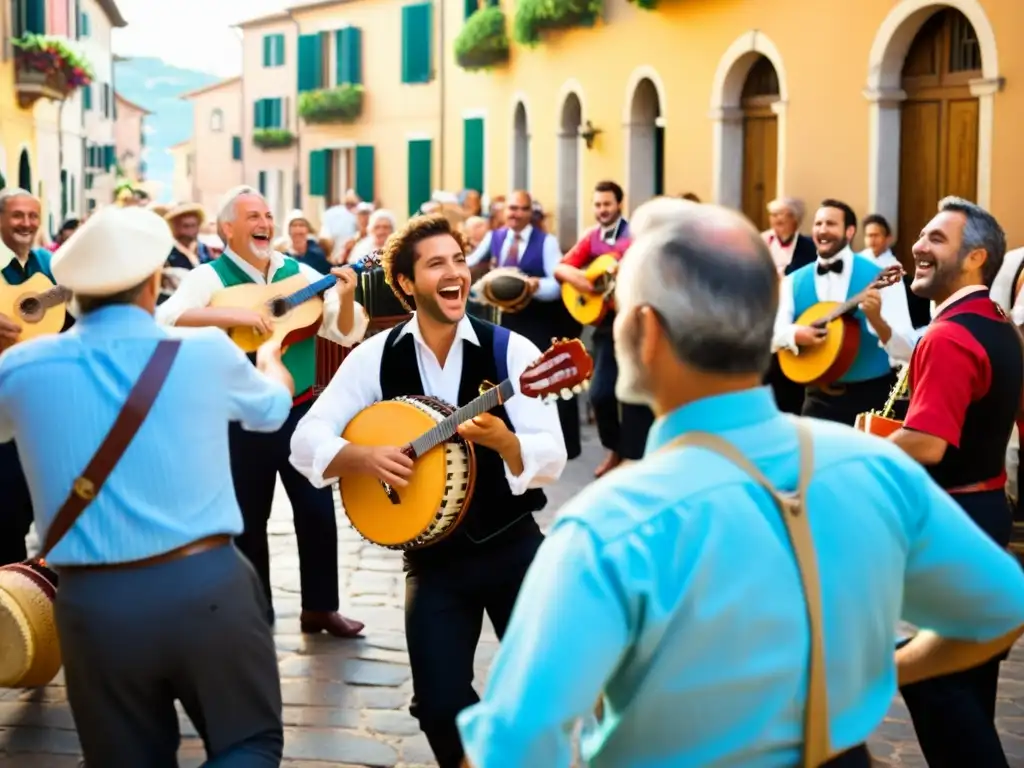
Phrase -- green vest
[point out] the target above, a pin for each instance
(300, 358)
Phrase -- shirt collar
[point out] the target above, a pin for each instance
(841, 256)
(116, 319)
(463, 331)
(718, 413)
(613, 227)
(965, 291)
(276, 261)
(524, 235)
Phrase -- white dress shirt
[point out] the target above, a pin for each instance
(1002, 286)
(356, 386)
(199, 285)
(549, 289)
(834, 286)
(782, 255)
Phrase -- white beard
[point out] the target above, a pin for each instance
(261, 251)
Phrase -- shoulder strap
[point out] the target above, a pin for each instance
(133, 413)
(793, 509)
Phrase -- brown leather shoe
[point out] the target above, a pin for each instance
(333, 623)
(611, 461)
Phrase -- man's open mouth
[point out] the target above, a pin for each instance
(451, 292)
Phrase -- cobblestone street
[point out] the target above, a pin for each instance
(345, 702)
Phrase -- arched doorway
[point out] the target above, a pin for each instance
(646, 145)
(938, 122)
(760, 141)
(520, 149)
(569, 172)
(24, 172)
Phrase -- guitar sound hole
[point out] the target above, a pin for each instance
(30, 308)
(278, 307)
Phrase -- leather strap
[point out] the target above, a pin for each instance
(133, 413)
(817, 749)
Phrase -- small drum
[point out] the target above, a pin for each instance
(506, 288)
(29, 648)
(432, 505)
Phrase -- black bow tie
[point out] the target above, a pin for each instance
(609, 234)
(836, 266)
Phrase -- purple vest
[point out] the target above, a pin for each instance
(531, 259)
(623, 238)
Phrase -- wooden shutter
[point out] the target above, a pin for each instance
(420, 151)
(417, 36)
(64, 206)
(87, 97)
(35, 16)
(365, 173)
(279, 50)
(275, 113)
(473, 154)
(310, 63)
(236, 147)
(471, 7)
(348, 44)
(84, 29)
(262, 182)
(317, 186)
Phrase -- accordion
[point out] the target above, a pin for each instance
(374, 294)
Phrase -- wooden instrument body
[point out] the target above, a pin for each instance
(591, 308)
(436, 499)
(876, 424)
(826, 363)
(16, 302)
(297, 323)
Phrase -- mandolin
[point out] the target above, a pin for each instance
(441, 487)
(591, 308)
(827, 362)
(295, 305)
(37, 305)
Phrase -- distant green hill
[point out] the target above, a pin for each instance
(157, 86)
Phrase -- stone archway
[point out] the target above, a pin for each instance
(569, 166)
(520, 148)
(736, 74)
(886, 96)
(646, 144)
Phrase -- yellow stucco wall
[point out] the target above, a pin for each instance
(17, 128)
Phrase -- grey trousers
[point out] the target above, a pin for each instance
(192, 630)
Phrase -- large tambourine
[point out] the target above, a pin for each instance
(506, 288)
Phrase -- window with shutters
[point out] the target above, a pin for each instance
(268, 113)
(217, 120)
(348, 48)
(273, 50)
(417, 38)
(236, 147)
(28, 16)
(87, 97)
(84, 26)
(261, 183)
(473, 153)
(471, 7)
(365, 174)
(311, 62)
(318, 162)
(107, 101)
(420, 152)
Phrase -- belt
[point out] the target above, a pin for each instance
(195, 548)
(303, 397)
(994, 484)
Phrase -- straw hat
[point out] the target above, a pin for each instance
(184, 209)
(116, 249)
(28, 631)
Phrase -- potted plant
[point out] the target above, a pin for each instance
(483, 42)
(272, 138)
(536, 16)
(48, 66)
(329, 105)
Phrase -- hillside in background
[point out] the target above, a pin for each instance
(157, 86)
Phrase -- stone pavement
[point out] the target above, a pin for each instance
(345, 702)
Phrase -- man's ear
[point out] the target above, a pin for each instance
(405, 284)
(650, 337)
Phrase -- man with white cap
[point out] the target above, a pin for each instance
(136, 497)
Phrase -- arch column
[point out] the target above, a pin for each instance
(884, 151)
(727, 181)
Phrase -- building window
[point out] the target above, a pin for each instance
(311, 63)
(87, 97)
(420, 173)
(84, 26)
(236, 147)
(417, 35)
(217, 120)
(273, 50)
(268, 113)
(348, 49)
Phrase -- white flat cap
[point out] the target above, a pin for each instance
(116, 249)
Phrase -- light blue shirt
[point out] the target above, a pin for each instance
(549, 288)
(59, 396)
(671, 586)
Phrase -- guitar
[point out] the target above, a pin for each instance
(294, 304)
(37, 305)
(441, 487)
(591, 308)
(827, 362)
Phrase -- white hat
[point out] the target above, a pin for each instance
(116, 249)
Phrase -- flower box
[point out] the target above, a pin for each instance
(483, 42)
(342, 104)
(273, 138)
(47, 67)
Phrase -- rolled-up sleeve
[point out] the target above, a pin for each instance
(317, 437)
(567, 634)
(257, 401)
(194, 292)
(536, 424)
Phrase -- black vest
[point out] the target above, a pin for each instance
(989, 421)
(493, 510)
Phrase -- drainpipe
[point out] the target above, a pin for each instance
(441, 93)
(297, 183)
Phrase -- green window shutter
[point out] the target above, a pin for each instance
(419, 173)
(279, 50)
(317, 186)
(35, 16)
(85, 30)
(310, 63)
(236, 147)
(349, 54)
(262, 183)
(268, 42)
(365, 173)
(473, 154)
(257, 113)
(109, 160)
(276, 113)
(471, 7)
(87, 97)
(417, 41)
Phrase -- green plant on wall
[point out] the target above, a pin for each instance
(332, 105)
(272, 138)
(535, 16)
(483, 41)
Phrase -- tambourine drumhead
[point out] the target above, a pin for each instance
(504, 287)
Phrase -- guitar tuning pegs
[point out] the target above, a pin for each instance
(566, 394)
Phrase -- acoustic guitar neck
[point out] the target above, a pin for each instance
(47, 300)
(280, 307)
(886, 278)
(444, 430)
